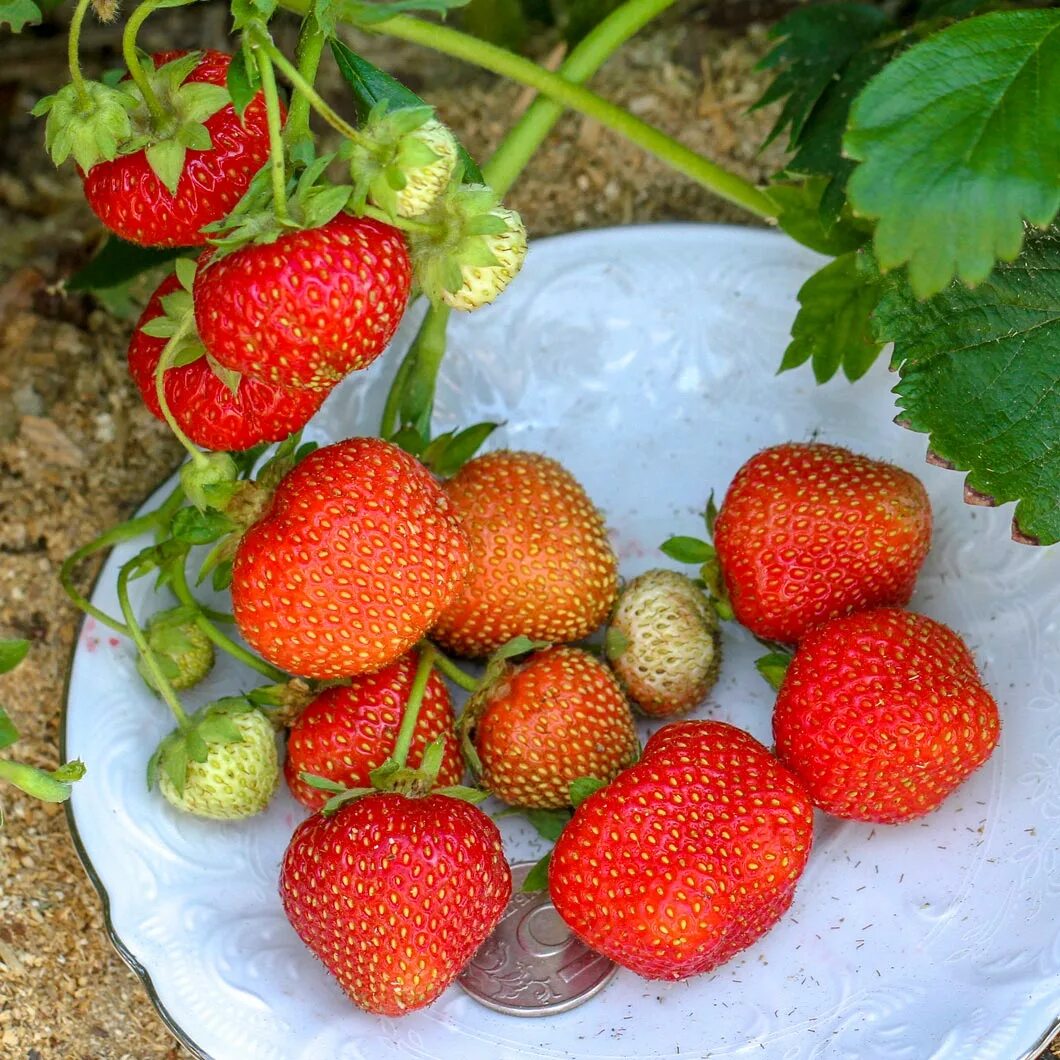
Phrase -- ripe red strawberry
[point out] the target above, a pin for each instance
(395, 894)
(542, 566)
(808, 532)
(544, 722)
(688, 857)
(883, 715)
(203, 405)
(128, 197)
(349, 730)
(309, 308)
(353, 559)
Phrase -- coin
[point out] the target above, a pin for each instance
(532, 964)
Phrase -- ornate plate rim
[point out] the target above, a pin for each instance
(1036, 1050)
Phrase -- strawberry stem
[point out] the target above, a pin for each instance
(164, 363)
(277, 164)
(179, 585)
(411, 396)
(132, 60)
(449, 669)
(161, 682)
(310, 48)
(160, 517)
(428, 657)
(72, 47)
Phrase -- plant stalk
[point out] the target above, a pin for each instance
(72, 47)
(132, 61)
(311, 42)
(448, 668)
(277, 163)
(164, 363)
(412, 707)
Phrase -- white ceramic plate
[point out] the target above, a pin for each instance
(644, 358)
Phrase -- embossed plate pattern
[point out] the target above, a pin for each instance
(644, 358)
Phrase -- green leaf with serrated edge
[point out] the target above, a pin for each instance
(687, 549)
(773, 667)
(980, 373)
(548, 823)
(799, 214)
(537, 877)
(959, 145)
(118, 262)
(322, 783)
(193, 527)
(166, 160)
(814, 44)
(582, 788)
(8, 732)
(12, 652)
(370, 85)
(463, 793)
(241, 82)
(19, 13)
(833, 324)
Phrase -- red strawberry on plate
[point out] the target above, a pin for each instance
(351, 563)
(395, 894)
(687, 858)
(309, 308)
(349, 730)
(808, 532)
(215, 408)
(204, 182)
(883, 715)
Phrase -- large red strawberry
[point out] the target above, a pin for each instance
(546, 721)
(129, 197)
(883, 715)
(395, 894)
(349, 730)
(351, 563)
(204, 405)
(309, 308)
(542, 566)
(688, 857)
(808, 532)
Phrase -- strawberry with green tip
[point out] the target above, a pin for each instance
(663, 643)
(688, 857)
(883, 715)
(545, 721)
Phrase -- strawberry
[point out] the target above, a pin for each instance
(541, 562)
(213, 409)
(544, 722)
(883, 715)
(354, 558)
(663, 643)
(180, 647)
(395, 894)
(808, 532)
(688, 857)
(349, 730)
(130, 197)
(309, 308)
(238, 775)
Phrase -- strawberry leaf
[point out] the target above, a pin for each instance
(537, 877)
(19, 13)
(959, 144)
(8, 732)
(799, 214)
(582, 788)
(833, 328)
(980, 374)
(773, 667)
(194, 527)
(242, 81)
(118, 262)
(548, 823)
(687, 549)
(12, 652)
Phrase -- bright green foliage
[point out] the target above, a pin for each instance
(799, 214)
(959, 140)
(980, 373)
(833, 328)
(19, 13)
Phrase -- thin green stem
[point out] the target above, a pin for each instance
(446, 666)
(72, 45)
(179, 584)
(132, 61)
(161, 682)
(277, 163)
(594, 49)
(115, 535)
(311, 42)
(391, 410)
(709, 174)
(412, 707)
(290, 71)
(165, 362)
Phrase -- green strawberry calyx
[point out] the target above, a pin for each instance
(182, 650)
(91, 125)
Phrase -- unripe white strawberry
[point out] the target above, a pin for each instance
(425, 183)
(180, 647)
(238, 777)
(482, 283)
(663, 643)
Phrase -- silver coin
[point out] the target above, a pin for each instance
(532, 964)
